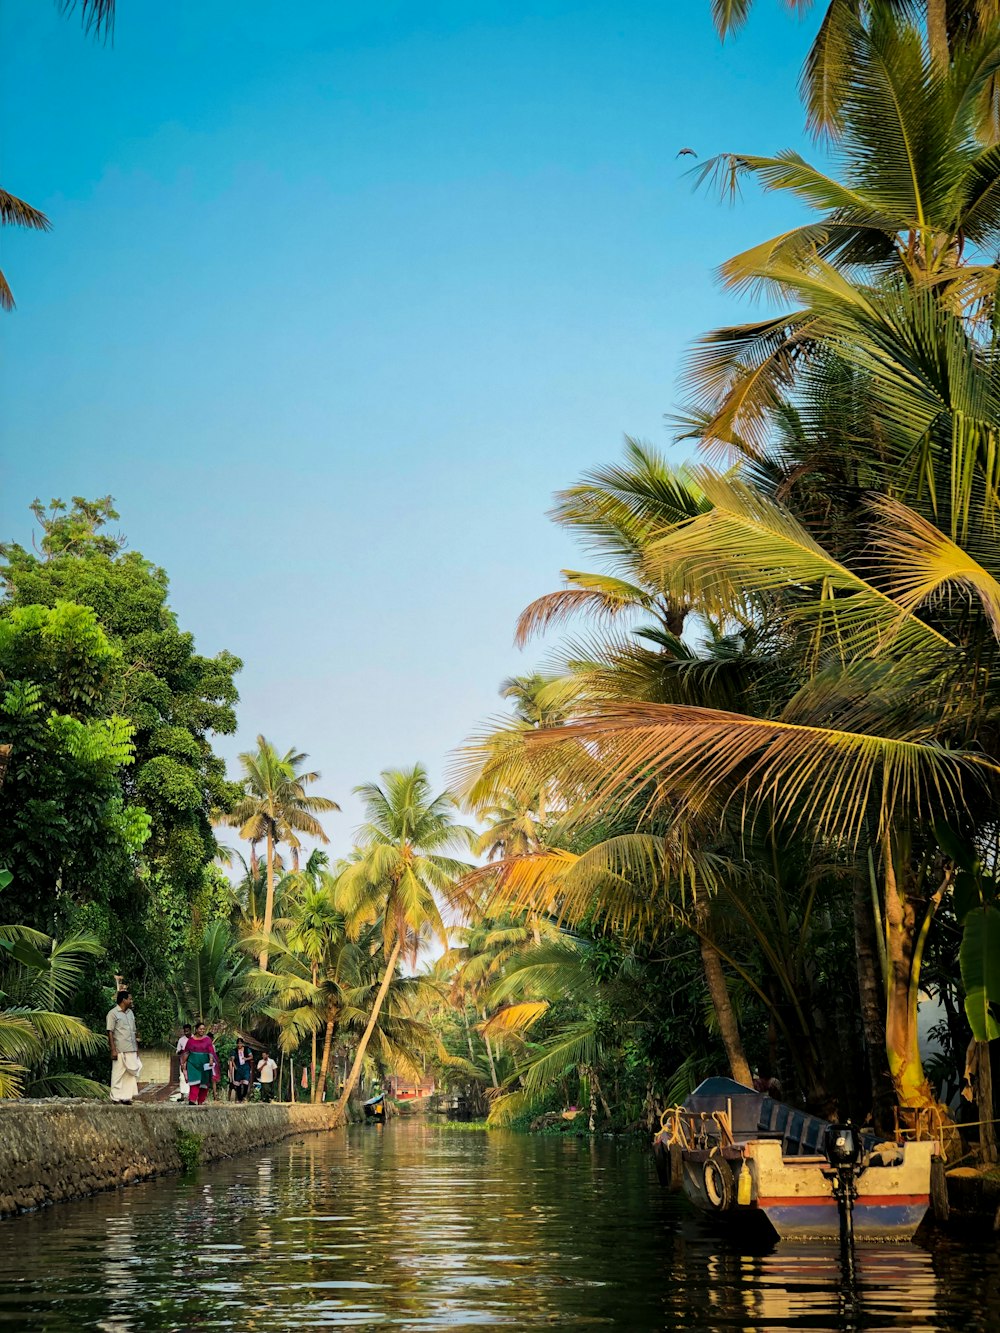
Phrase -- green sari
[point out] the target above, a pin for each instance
(199, 1061)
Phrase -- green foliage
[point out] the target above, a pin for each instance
(463, 1126)
(39, 977)
(144, 668)
(212, 984)
(112, 783)
(980, 963)
(189, 1149)
(65, 820)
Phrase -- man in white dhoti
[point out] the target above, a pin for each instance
(124, 1047)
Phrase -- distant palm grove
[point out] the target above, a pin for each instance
(745, 818)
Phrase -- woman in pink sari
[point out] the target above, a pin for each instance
(199, 1059)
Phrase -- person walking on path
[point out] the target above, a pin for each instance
(197, 1059)
(124, 1047)
(241, 1070)
(266, 1070)
(182, 1041)
(216, 1068)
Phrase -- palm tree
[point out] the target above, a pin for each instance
(559, 976)
(476, 960)
(615, 511)
(512, 829)
(874, 745)
(15, 212)
(620, 511)
(318, 931)
(212, 985)
(911, 206)
(401, 1038)
(38, 976)
(312, 966)
(865, 711)
(322, 980)
(827, 75)
(400, 865)
(276, 806)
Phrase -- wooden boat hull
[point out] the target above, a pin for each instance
(742, 1156)
(796, 1196)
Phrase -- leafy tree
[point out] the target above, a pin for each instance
(174, 699)
(65, 820)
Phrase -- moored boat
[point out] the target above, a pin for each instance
(375, 1108)
(744, 1156)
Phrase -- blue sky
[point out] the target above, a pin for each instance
(336, 297)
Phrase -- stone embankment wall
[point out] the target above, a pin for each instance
(51, 1151)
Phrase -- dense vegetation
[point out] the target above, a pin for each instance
(744, 819)
(771, 746)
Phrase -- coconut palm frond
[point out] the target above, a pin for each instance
(921, 564)
(515, 1017)
(15, 212)
(817, 776)
(572, 1046)
(66, 1085)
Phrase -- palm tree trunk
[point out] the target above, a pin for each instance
(489, 1054)
(600, 1094)
(269, 901)
(468, 1032)
(937, 34)
(871, 990)
(904, 952)
(723, 1005)
(324, 1068)
(352, 1078)
(592, 1119)
(312, 1066)
(984, 1100)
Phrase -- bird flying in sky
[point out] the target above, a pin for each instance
(687, 152)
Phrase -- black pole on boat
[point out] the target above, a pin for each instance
(843, 1152)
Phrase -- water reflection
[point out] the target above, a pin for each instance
(418, 1228)
(802, 1287)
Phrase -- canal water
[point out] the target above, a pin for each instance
(412, 1226)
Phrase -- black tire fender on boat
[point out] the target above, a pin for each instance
(720, 1187)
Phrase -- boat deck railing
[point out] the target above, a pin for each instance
(693, 1130)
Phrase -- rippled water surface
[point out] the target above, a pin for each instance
(412, 1226)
